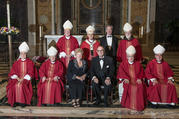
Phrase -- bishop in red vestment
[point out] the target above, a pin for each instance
(90, 45)
(131, 73)
(50, 87)
(126, 42)
(161, 83)
(67, 44)
(19, 88)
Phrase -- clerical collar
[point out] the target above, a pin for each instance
(130, 62)
(90, 40)
(23, 59)
(67, 37)
(52, 62)
(159, 62)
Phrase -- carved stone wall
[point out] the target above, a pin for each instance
(44, 12)
(112, 11)
(139, 18)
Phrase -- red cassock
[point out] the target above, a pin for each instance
(162, 92)
(124, 44)
(20, 92)
(67, 46)
(50, 91)
(134, 94)
(86, 49)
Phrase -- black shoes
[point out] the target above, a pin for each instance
(57, 104)
(14, 105)
(19, 104)
(22, 105)
(97, 103)
(154, 106)
(170, 106)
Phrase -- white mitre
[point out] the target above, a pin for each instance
(159, 49)
(90, 29)
(127, 27)
(23, 47)
(52, 51)
(131, 50)
(67, 25)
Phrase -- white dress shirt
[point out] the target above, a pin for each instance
(109, 40)
(101, 62)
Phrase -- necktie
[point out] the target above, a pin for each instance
(101, 58)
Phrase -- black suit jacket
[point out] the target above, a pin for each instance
(106, 71)
(74, 70)
(113, 52)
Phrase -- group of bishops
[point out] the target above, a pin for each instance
(101, 58)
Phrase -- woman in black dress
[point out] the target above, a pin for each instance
(76, 75)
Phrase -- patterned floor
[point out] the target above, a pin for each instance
(33, 112)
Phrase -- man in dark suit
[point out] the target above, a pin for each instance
(102, 70)
(109, 42)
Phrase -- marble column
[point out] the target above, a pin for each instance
(59, 19)
(53, 17)
(129, 11)
(148, 17)
(152, 16)
(148, 22)
(31, 21)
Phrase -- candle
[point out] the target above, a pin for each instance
(40, 31)
(8, 15)
(142, 31)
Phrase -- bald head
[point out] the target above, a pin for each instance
(100, 51)
(100, 47)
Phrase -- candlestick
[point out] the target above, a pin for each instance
(9, 36)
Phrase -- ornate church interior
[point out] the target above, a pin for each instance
(40, 24)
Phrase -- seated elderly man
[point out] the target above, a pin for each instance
(131, 73)
(102, 70)
(19, 88)
(161, 83)
(50, 87)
